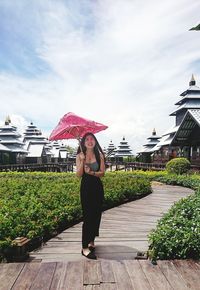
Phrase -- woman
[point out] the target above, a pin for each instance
(90, 166)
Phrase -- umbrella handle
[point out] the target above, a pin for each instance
(80, 144)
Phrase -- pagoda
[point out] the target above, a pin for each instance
(111, 150)
(123, 150)
(183, 139)
(10, 140)
(35, 144)
(144, 155)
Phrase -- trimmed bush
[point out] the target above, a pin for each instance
(178, 165)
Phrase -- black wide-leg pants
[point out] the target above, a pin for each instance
(92, 196)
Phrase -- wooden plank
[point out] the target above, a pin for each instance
(61, 257)
(27, 276)
(87, 287)
(91, 273)
(58, 277)
(108, 286)
(74, 276)
(121, 276)
(117, 256)
(172, 275)
(91, 287)
(8, 274)
(44, 277)
(155, 276)
(137, 275)
(117, 247)
(107, 272)
(189, 273)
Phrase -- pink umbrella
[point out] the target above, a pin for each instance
(72, 126)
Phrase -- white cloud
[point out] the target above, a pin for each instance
(122, 63)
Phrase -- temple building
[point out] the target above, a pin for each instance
(144, 155)
(32, 147)
(4, 154)
(55, 151)
(12, 148)
(183, 139)
(111, 150)
(35, 145)
(123, 150)
(63, 153)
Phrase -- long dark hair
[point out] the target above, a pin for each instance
(97, 147)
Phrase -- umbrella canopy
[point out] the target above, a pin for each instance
(72, 126)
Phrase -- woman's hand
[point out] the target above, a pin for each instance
(82, 156)
(87, 169)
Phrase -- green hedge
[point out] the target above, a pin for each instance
(37, 204)
(177, 234)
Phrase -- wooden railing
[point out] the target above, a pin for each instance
(115, 166)
(70, 167)
(48, 167)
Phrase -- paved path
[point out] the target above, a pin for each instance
(123, 232)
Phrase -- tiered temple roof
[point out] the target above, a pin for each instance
(123, 149)
(10, 138)
(34, 141)
(153, 141)
(111, 150)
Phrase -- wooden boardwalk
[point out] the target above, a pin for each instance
(58, 265)
(101, 274)
(123, 230)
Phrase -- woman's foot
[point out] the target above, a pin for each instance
(88, 254)
(91, 247)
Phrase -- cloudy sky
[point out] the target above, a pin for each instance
(123, 63)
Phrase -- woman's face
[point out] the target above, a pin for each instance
(90, 142)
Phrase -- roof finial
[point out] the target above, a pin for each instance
(192, 81)
(154, 132)
(7, 120)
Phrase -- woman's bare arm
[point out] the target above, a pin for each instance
(80, 164)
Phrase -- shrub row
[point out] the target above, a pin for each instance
(177, 234)
(38, 204)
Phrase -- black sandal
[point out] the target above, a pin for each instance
(92, 249)
(89, 256)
